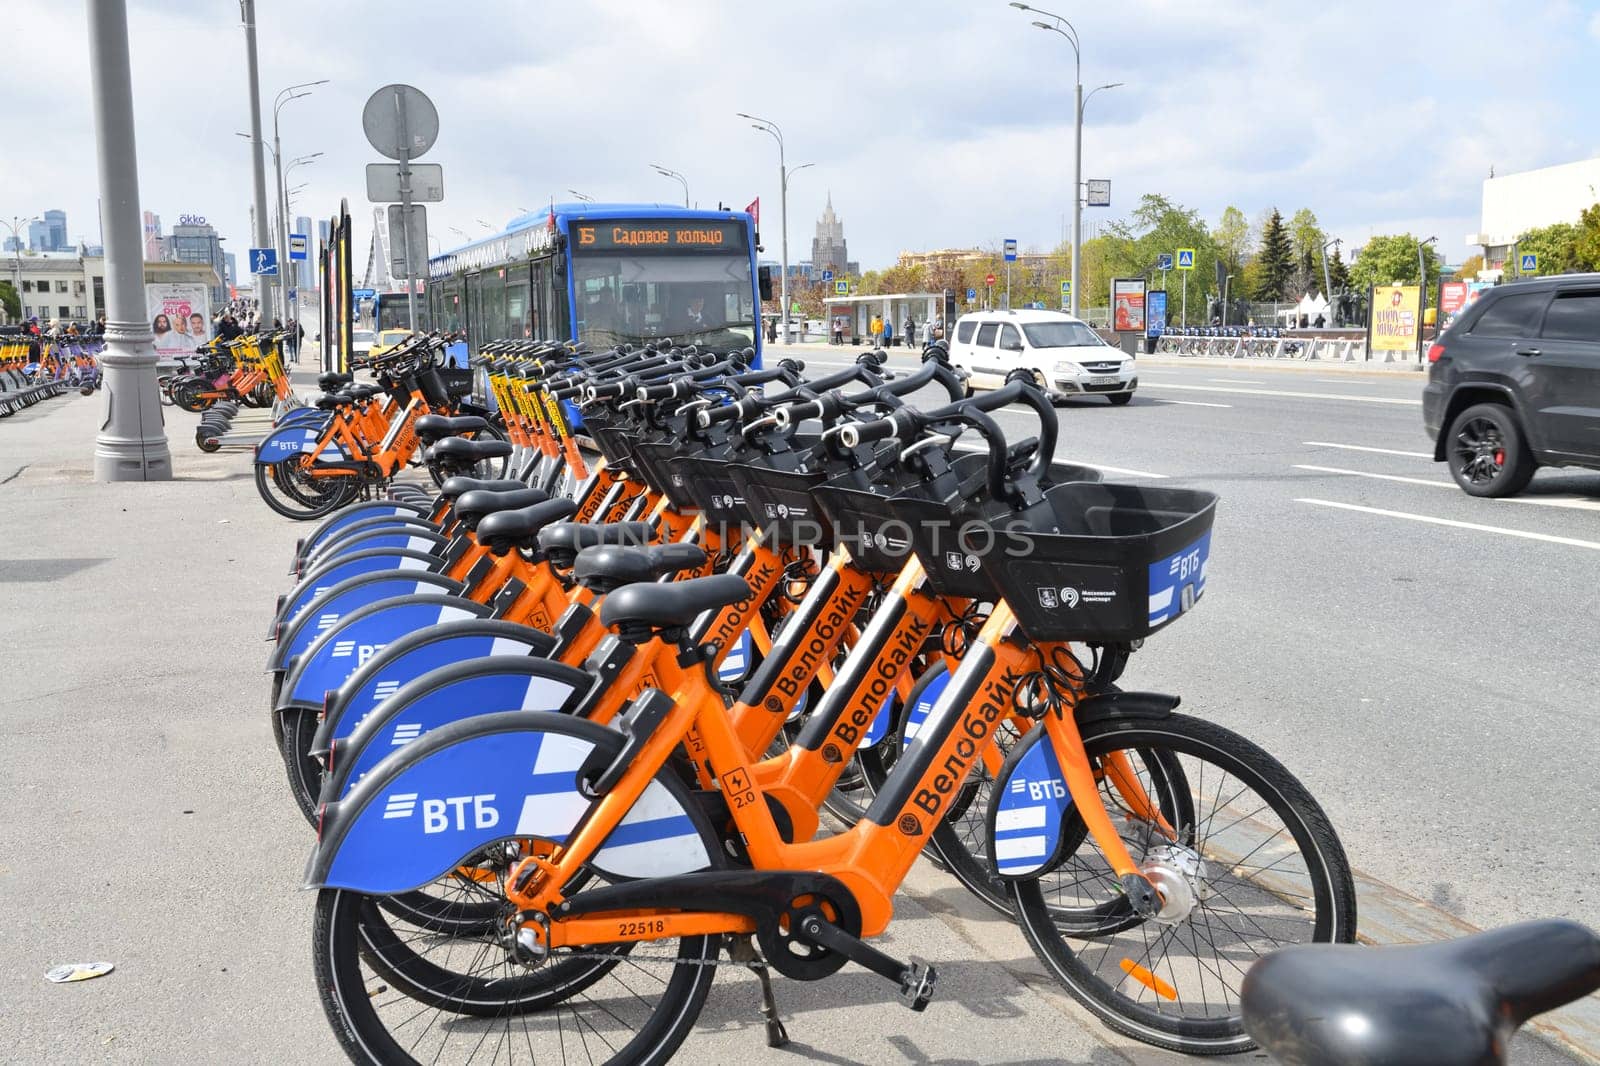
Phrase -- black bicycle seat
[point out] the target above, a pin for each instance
(330, 382)
(1454, 1003)
(461, 450)
(671, 606)
(562, 543)
(456, 486)
(364, 392)
(472, 507)
(435, 427)
(329, 400)
(611, 566)
(504, 530)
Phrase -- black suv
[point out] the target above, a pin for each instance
(1514, 382)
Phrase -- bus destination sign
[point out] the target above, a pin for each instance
(659, 235)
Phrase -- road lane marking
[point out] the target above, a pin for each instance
(1431, 520)
(1287, 392)
(1237, 381)
(1575, 503)
(1342, 381)
(1197, 403)
(1377, 477)
(1112, 469)
(1365, 448)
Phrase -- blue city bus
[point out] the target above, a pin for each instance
(389, 311)
(606, 274)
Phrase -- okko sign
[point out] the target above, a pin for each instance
(1395, 319)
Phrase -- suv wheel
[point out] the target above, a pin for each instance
(1487, 453)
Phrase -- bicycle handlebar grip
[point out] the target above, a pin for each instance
(795, 413)
(858, 433)
(653, 393)
(712, 415)
(606, 392)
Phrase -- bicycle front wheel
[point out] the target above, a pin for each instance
(1252, 867)
(637, 1014)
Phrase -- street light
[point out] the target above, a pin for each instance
(293, 92)
(1327, 284)
(770, 127)
(1422, 289)
(1071, 35)
(463, 234)
(16, 224)
(667, 172)
(581, 196)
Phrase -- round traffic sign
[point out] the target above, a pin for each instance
(989, 280)
(400, 122)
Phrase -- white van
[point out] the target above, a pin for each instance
(1064, 353)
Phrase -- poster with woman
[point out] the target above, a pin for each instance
(179, 318)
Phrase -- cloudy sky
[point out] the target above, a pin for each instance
(933, 123)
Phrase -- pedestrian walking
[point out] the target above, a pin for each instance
(909, 330)
(876, 329)
(772, 330)
(888, 333)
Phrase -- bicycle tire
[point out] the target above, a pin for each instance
(1328, 880)
(277, 492)
(353, 1010)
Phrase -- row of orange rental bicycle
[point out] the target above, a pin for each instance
(703, 693)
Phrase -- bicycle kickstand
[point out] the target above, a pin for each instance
(742, 949)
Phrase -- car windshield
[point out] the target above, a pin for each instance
(362, 336)
(393, 336)
(1060, 335)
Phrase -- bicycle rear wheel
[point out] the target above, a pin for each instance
(289, 490)
(1255, 867)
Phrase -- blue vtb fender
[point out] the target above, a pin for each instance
(449, 694)
(426, 541)
(351, 595)
(1030, 803)
(291, 442)
(333, 544)
(361, 634)
(433, 805)
(416, 654)
(355, 512)
(322, 577)
(303, 418)
(924, 694)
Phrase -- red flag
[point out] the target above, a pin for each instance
(753, 209)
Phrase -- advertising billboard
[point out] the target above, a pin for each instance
(1395, 318)
(1127, 305)
(180, 318)
(1156, 307)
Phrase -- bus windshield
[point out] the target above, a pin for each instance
(701, 298)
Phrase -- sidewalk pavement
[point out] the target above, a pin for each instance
(150, 824)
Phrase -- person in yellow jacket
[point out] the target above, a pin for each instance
(877, 332)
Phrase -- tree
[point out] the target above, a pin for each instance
(1587, 244)
(1275, 260)
(10, 301)
(1338, 272)
(1131, 248)
(1556, 246)
(1232, 239)
(1391, 258)
(1470, 267)
(1307, 238)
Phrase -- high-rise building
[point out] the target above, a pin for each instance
(49, 234)
(232, 266)
(828, 250)
(155, 245)
(13, 244)
(200, 244)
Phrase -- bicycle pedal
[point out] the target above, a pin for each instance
(916, 984)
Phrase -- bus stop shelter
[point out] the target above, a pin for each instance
(855, 313)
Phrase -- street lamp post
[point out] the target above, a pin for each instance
(1327, 283)
(15, 225)
(770, 127)
(1071, 34)
(291, 308)
(581, 196)
(247, 15)
(1422, 290)
(284, 97)
(667, 172)
(132, 442)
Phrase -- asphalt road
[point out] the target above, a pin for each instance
(1432, 684)
(1425, 661)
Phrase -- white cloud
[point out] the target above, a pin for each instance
(941, 123)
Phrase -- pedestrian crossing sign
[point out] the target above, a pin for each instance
(841, 288)
(1528, 263)
(1185, 258)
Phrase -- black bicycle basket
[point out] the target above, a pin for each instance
(655, 464)
(713, 489)
(779, 500)
(1114, 563)
(957, 539)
